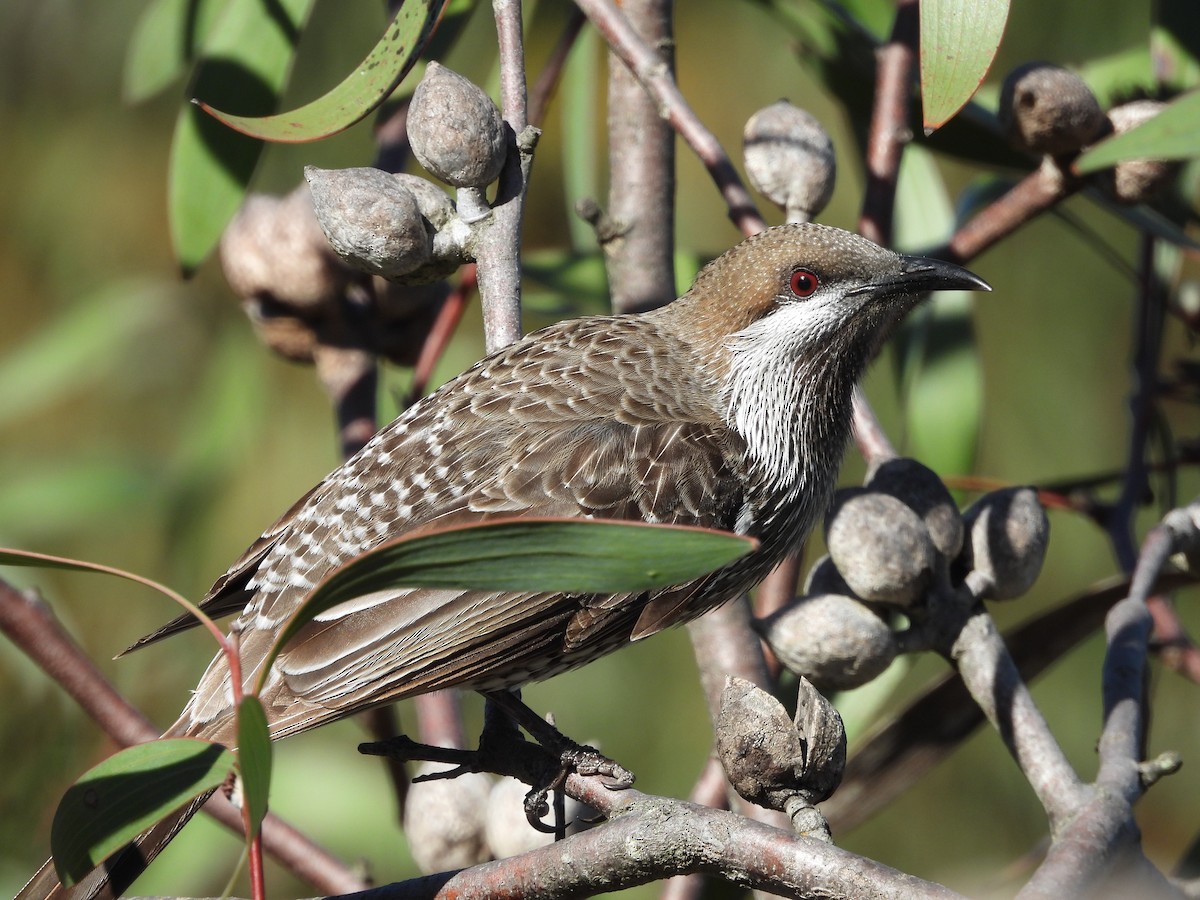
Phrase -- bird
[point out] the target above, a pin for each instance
(728, 408)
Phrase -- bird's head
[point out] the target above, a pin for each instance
(786, 321)
(805, 286)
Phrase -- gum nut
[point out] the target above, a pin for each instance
(833, 640)
(444, 820)
(758, 745)
(1009, 533)
(790, 159)
(371, 220)
(1045, 109)
(881, 547)
(292, 337)
(275, 248)
(820, 725)
(824, 578)
(509, 832)
(920, 489)
(1133, 181)
(455, 129)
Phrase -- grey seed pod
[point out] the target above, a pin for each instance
(444, 820)
(455, 129)
(274, 248)
(292, 337)
(824, 735)
(790, 159)
(508, 830)
(824, 578)
(371, 219)
(881, 547)
(920, 489)
(834, 640)
(1009, 533)
(1134, 181)
(759, 746)
(1046, 109)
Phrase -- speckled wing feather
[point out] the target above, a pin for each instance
(561, 424)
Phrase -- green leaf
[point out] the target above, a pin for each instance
(114, 802)
(244, 65)
(254, 759)
(360, 93)
(164, 44)
(959, 39)
(529, 554)
(1173, 134)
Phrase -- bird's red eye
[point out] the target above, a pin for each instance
(804, 283)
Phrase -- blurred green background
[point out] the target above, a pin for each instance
(143, 427)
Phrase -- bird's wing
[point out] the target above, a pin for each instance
(554, 426)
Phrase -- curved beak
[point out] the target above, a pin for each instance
(920, 274)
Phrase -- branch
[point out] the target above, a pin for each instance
(671, 837)
(498, 252)
(641, 146)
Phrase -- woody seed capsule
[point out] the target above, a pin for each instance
(455, 129)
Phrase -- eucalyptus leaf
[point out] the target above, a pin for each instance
(528, 554)
(1172, 134)
(254, 759)
(114, 802)
(959, 40)
(243, 67)
(362, 91)
(165, 42)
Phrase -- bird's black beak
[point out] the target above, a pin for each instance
(919, 275)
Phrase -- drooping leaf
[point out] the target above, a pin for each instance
(959, 39)
(360, 93)
(243, 67)
(127, 793)
(528, 554)
(1172, 134)
(164, 44)
(254, 759)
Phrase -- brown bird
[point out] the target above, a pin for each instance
(729, 408)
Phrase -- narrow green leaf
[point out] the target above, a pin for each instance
(959, 39)
(1173, 134)
(254, 759)
(360, 93)
(127, 793)
(243, 66)
(164, 44)
(529, 554)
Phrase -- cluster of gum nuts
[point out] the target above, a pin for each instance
(899, 545)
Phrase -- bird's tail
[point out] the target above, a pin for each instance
(114, 876)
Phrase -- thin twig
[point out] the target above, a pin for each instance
(889, 130)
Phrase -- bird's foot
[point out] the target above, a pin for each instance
(545, 764)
